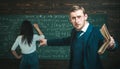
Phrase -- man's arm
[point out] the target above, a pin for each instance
(56, 42)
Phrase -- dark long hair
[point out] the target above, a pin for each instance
(27, 31)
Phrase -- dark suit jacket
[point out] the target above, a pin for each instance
(90, 57)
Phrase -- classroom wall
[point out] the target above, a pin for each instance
(111, 8)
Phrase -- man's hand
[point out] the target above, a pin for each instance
(112, 43)
(43, 42)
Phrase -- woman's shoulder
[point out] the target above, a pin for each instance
(19, 36)
(37, 36)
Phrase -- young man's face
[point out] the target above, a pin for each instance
(78, 19)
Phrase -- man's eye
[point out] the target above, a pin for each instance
(73, 17)
(78, 16)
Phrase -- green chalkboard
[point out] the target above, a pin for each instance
(52, 25)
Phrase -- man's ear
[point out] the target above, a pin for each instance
(86, 16)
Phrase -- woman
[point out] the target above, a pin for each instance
(27, 42)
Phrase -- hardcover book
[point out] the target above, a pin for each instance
(106, 35)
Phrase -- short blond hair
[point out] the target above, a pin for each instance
(77, 7)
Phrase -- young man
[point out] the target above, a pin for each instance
(85, 40)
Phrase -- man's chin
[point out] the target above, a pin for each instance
(78, 29)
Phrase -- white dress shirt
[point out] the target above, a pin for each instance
(25, 48)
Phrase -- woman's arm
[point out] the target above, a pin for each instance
(16, 55)
(37, 28)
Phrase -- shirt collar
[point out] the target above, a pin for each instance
(84, 29)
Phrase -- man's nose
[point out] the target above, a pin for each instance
(76, 20)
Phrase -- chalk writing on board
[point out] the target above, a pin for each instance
(53, 26)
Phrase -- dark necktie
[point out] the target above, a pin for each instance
(78, 34)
